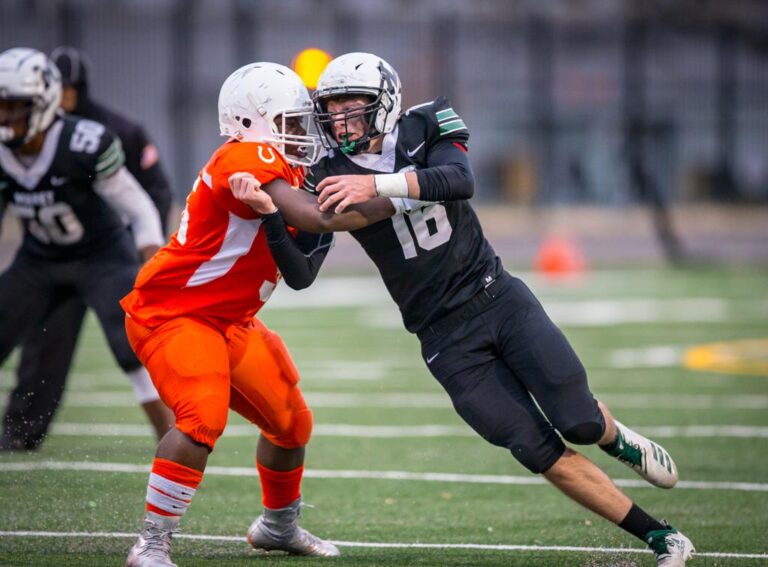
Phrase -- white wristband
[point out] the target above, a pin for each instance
(391, 185)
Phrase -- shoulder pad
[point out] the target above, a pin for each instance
(93, 145)
(443, 123)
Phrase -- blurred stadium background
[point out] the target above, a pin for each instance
(637, 126)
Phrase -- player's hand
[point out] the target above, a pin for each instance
(246, 188)
(340, 191)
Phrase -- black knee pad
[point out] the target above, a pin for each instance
(538, 459)
(587, 433)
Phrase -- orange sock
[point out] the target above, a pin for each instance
(171, 487)
(279, 488)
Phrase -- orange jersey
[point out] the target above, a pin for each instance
(218, 264)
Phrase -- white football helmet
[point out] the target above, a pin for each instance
(29, 75)
(254, 96)
(359, 74)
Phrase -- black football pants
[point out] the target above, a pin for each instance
(41, 307)
(512, 375)
(46, 357)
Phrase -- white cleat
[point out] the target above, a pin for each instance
(278, 530)
(672, 549)
(648, 459)
(153, 549)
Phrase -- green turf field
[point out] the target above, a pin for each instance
(393, 473)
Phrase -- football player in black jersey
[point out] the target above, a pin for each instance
(65, 178)
(46, 355)
(510, 372)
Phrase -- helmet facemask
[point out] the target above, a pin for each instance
(373, 115)
(8, 136)
(294, 135)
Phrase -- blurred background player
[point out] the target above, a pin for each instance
(484, 336)
(142, 157)
(191, 316)
(46, 356)
(64, 178)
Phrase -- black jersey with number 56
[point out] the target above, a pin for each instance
(63, 217)
(434, 258)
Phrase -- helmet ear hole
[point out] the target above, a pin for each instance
(247, 122)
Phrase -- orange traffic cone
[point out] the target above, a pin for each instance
(559, 256)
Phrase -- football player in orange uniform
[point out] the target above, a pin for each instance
(191, 315)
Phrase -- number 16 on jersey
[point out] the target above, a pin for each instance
(429, 225)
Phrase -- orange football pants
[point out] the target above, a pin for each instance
(201, 369)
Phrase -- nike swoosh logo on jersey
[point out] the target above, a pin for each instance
(433, 357)
(57, 181)
(412, 152)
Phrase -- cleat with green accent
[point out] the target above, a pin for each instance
(672, 549)
(278, 530)
(153, 549)
(648, 459)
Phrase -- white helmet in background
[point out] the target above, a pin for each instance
(359, 74)
(29, 75)
(254, 96)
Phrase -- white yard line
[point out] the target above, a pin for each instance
(369, 292)
(660, 356)
(392, 545)
(95, 399)
(610, 312)
(91, 466)
(399, 431)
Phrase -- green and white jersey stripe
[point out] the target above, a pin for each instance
(448, 121)
(111, 160)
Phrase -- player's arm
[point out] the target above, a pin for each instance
(447, 177)
(148, 171)
(298, 259)
(300, 209)
(125, 195)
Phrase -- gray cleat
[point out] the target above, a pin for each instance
(153, 549)
(278, 530)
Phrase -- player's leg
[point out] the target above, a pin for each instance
(109, 278)
(584, 482)
(189, 364)
(46, 357)
(25, 297)
(542, 360)
(265, 391)
(644, 456)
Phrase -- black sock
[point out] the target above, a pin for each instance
(614, 447)
(638, 523)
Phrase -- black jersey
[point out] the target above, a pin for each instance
(63, 217)
(434, 258)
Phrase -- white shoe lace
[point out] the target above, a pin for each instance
(157, 542)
